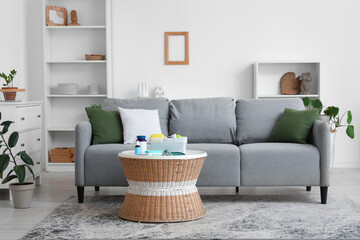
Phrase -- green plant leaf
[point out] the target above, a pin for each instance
(20, 173)
(4, 162)
(306, 101)
(350, 131)
(13, 139)
(349, 117)
(11, 171)
(31, 171)
(332, 111)
(26, 158)
(6, 125)
(317, 104)
(8, 179)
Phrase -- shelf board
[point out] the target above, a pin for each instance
(60, 164)
(76, 27)
(289, 96)
(77, 61)
(61, 129)
(287, 62)
(77, 96)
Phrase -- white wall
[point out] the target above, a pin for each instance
(21, 44)
(228, 36)
(12, 40)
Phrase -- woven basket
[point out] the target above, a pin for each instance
(162, 190)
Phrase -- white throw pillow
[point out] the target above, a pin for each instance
(139, 122)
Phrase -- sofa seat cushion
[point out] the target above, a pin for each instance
(162, 104)
(102, 166)
(256, 118)
(222, 165)
(204, 120)
(279, 164)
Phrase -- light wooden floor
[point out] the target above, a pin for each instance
(57, 187)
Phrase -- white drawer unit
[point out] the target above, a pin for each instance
(27, 118)
(29, 141)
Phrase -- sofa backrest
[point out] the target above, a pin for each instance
(256, 118)
(206, 120)
(162, 104)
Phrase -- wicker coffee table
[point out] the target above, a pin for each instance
(162, 188)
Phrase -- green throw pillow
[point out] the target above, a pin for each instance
(294, 126)
(106, 126)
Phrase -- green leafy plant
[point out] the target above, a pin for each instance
(310, 103)
(333, 113)
(336, 120)
(18, 170)
(8, 78)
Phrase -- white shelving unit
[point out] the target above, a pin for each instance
(267, 77)
(64, 62)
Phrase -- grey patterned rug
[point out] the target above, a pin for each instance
(227, 217)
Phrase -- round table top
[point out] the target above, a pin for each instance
(190, 154)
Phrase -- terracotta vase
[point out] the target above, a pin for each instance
(10, 96)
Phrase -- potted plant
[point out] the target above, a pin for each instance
(21, 191)
(332, 116)
(8, 85)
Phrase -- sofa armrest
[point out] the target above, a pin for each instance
(321, 139)
(83, 133)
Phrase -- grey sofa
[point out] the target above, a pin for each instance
(234, 136)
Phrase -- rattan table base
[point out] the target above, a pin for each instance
(162, 189)
(163, 208)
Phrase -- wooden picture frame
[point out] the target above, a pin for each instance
(168, 58)
(59, 11)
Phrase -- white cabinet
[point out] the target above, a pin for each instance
(27, 118)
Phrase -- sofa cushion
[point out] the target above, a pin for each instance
(206, 120)
(106, 126)
(294, 126)
(279, 164)
(102, 165)
(139, 122)
(162, 104)
(222, 165)
(256, 118)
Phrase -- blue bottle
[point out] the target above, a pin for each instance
(137, 148)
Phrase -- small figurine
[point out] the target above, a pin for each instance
(74, 19)
(305, 83)
(159, 92)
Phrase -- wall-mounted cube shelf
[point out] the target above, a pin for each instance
(267, 77)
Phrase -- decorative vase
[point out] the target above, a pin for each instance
(22, 194)
(143, 90)
(332, 148)
(10, 95)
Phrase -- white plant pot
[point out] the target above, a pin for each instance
(22, 194)
(332, 148)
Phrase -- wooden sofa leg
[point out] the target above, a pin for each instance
(80, 193)
(323, 193)
(308, 188)
(237, 189)
(97, 188)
